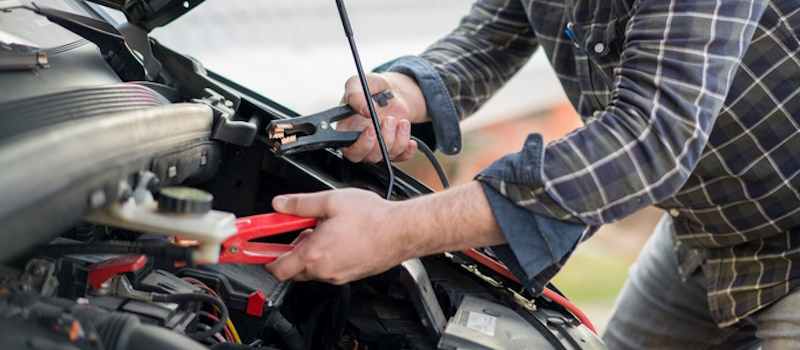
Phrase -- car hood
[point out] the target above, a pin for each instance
(150, 14)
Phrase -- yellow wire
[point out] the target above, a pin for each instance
(231, 328)
(233, 332)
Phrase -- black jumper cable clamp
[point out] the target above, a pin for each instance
(316, 131)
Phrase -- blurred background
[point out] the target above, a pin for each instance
(295, 52)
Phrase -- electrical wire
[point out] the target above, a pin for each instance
(234, 333)
(226, 328)
(230, 329)
(220, 338)
(423, 147)
(367, 95)
(228, 333)
(217, 338)
(548, 293)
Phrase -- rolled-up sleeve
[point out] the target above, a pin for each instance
(537, 245)
(444, 120)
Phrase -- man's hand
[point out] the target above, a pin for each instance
(360, 234)
(352, 239)
(407, 106)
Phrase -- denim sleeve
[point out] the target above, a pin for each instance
(437, 98)
(537, 245)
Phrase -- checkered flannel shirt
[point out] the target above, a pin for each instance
(691, 106)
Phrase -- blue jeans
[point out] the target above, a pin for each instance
(657, 310)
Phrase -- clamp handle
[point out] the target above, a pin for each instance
(314, 131)
(239, 248)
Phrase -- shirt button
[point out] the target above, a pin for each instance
(599, 47)
(674, 212)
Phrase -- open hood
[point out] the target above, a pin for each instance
(150, 14)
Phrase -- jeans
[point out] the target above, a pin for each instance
(657, 310)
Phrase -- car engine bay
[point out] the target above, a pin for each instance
(101, 122)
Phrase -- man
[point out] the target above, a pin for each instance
(688, 105)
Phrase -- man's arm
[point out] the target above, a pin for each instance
(677, 64)
(359, 234)
(450, 80)
(489, 46)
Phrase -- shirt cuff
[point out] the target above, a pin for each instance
(440, 105)
(537, 245)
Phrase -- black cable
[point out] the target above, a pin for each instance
(286, 330)
(367, 95)
(176, 298)
(422, 146)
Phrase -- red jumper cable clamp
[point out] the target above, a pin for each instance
(240, 248)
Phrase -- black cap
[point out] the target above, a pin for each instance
(184, 200)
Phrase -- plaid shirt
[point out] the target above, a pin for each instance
(688, 105)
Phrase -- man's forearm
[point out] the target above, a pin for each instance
(452, 220)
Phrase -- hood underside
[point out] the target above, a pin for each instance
(150, 14)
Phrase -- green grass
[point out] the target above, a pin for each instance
(592, 278)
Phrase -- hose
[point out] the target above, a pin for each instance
(286, 330)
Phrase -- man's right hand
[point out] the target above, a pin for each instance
(407, 106)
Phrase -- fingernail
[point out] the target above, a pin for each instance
(279, 203)
(405, 127)
(371, 133)
(390, 123)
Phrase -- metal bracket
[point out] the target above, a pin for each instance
(39, 276)
(419, 285)
(138, 41)
(191, 79)
(237, 132)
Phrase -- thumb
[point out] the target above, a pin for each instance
(308, 204)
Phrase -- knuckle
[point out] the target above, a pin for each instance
(295, 204)
(356, 152)
(329, 203)
(313, 256)
(279, 274)
(353, 158)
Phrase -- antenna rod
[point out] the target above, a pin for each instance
(348, 31)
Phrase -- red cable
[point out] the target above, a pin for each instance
(227, 331)
(548, 293)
